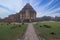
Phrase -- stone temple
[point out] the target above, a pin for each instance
(27, 14)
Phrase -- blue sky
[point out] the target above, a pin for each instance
(42, 7)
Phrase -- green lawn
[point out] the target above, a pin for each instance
(48, 30)
(11, 31)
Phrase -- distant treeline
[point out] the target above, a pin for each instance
(48, 18)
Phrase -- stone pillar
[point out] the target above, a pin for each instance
(30, 20)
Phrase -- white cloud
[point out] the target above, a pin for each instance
(57, 9)
(12, 4)
(17, 5)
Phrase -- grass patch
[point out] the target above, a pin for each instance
(48, 30)
(11, 31)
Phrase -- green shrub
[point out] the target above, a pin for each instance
(52, 33)
(19, 25)
(13, 27)
(1, 24)
(22, 23)
(40, 26)
(47, 26)
(7, 24)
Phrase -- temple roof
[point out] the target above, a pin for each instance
(27, 6)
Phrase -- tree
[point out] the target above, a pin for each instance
(46, 18)
(0, 19)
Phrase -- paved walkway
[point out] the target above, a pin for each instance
(30, 33)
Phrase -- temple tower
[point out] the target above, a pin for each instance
(27, 14)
